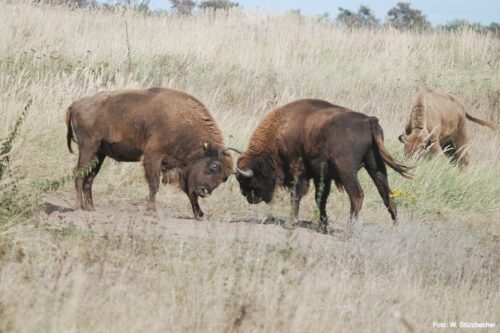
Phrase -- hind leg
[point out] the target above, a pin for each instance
(152, 168)
(351, 185)
(463, 162)
(378, 174)
(89, 179)
(85, 156)
(461, 153)
(322, 187)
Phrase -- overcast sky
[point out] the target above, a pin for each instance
(437, 11)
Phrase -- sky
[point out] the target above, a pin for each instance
(437, 11)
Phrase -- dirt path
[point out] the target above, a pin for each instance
(123, 216)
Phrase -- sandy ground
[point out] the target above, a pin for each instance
(126, 216)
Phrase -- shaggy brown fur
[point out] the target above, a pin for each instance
(437, 123)
(313, 139)
(168, 130)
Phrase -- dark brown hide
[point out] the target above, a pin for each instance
(168, 130)
(437, 124)
(313, 139)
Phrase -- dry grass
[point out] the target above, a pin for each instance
(115, 270)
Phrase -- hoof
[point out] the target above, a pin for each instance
(151, 209)
(323, 229)
(323, 225)
(346, 235)
(85, 208)
(199, 217)
(292, 223)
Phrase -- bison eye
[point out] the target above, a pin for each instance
(214, 167)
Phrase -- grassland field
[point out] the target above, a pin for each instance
(118, 270)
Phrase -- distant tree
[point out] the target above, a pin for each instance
(403, 17)
(69, 3)
(455, 25)
(346, 16)
(325, 15)
(136, 5)
(143, 6)
(218, 4)
(463, 24)
(295, 12)
(183, 7)
(364, 17)
(494, 28)
(367, 17)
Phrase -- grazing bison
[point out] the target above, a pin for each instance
(168, 130)
(437, 123)
(313, 139)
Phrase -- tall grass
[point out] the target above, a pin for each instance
(12, 202)
(116, 270)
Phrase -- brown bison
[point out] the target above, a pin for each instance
(168, 130)
(313, 139)
(437, 123)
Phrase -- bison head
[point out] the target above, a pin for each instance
(208, 172)
(416, 143)
(257, 178)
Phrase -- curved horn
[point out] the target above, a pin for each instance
(402, 138)
(245, 173)
(225, 149)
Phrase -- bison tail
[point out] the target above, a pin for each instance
(378, 137)
(480, 121)
(69, 134)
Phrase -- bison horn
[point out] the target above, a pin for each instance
(224, 150)
(245, 173)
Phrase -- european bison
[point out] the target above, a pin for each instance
(166, 129)
(313, 139)
(437, 123)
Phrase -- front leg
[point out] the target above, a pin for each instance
(322, 191)
(299, 189)
(197, 212)
(295, 202)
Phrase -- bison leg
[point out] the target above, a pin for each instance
(89, 179)
(435, 149)
(152, 168)
(379, 177)
(460, 148)
(197, 212)
(351, 185)
(463, 162)
(322, 188)
(85, 156)
(300, 188)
